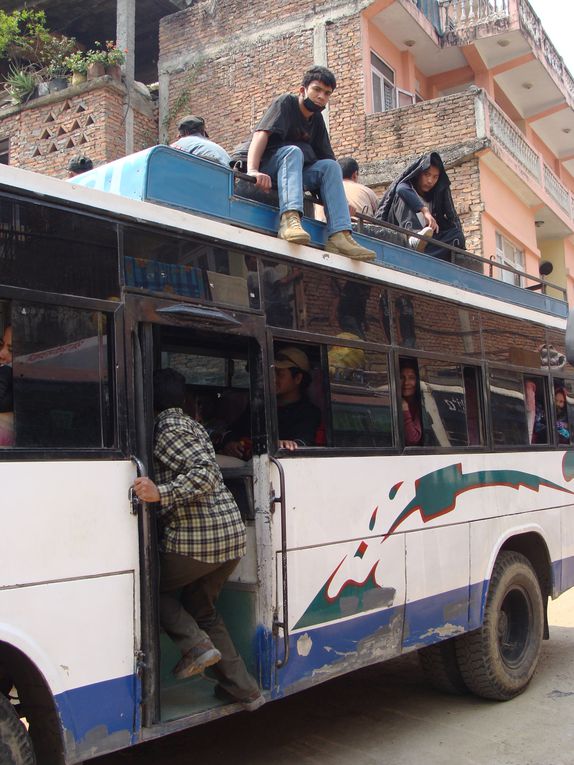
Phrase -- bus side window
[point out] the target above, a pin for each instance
(536, 414)
(474, 418)
(62, 382)
(6, 388)
(299, 395)
(563, 408)
(444, 402)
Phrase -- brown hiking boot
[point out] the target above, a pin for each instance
(197, 659)
(291, 229)
(343, 243)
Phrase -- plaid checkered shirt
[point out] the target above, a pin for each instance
(198, 515)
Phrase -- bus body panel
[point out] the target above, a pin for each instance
(69, 592)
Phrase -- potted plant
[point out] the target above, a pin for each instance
(54, 57)
(20, 84)
(77, 64)
(116, 58)
(97, 59)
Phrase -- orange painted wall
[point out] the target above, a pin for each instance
(506, 213)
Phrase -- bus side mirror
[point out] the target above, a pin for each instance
(570, 337)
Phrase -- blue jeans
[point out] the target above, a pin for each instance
(286, 168)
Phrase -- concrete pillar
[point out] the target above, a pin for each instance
(320, 54)
(126, 40)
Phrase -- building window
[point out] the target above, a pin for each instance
(4, 151)
(509, 255)
(385, 94)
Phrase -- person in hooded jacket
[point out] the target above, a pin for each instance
(420, 200)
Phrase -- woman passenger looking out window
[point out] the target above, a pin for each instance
(562, 426)
(410, 402)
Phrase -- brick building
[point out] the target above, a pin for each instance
(478, 81)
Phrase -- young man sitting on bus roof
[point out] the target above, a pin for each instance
(202, 540)
(193, 139)
(420, 200)
(291, 148)
(298, 419)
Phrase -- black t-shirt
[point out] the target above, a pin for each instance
(299, 421)
(289, 127)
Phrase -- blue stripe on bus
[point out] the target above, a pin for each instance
(94, 712)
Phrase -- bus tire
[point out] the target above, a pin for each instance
(498, 660)
(440, 666)
(15, 743)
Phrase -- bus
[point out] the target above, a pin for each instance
(361, 547)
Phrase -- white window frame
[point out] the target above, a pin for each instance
(510, 255)
(386, 95)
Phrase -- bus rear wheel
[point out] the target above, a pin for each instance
(440, 666)
(498, 660)
(15, 743)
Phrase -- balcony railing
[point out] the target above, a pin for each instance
(461, 14)
(510, 136)
(431, 9)
(557, 191)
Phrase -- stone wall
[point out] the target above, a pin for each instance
(89, 119)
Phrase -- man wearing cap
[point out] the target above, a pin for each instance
(193, 138)
(297, 418)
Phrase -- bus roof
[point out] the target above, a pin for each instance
(172, 189)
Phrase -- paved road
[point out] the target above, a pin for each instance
(387, 714)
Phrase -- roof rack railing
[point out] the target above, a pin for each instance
(541, 283)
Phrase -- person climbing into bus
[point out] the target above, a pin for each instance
(410, 402)
(193, 139)
(201, 542)
(290, 147)
(6, 393)
(298, 419)
(420, 200)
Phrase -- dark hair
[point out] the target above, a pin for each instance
(168, 389)
(436, 163)
(305, 377)
(321, 74)
(349, 166)
(80, 164)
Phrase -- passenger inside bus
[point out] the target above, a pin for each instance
(535, 412)
(298, 418)
(562, 424)
(6, 394)
(410, 402)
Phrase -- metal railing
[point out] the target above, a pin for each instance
(461, 14)
(557, 191)
(512, 139)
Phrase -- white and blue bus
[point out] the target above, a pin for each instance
(360, 547)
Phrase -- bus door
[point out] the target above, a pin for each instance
(219, 353)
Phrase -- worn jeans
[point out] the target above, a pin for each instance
(188, 591)
(285, 167)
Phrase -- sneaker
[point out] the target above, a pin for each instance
(419, 244)
(197, 659)
(342, 243)
(291, 229)
(249, 703)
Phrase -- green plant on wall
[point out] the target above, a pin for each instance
(183, 101)
(20, 84)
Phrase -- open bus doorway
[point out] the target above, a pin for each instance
(224, 382)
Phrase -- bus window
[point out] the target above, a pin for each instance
(62, 385)
(299, 395)
(433, 325)
(410, 398)
(512, 341)
(361, 409)
(474, 418)
(6, 388)
(444, 402)
(536, 410)
(519, 410)
(563, 409)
